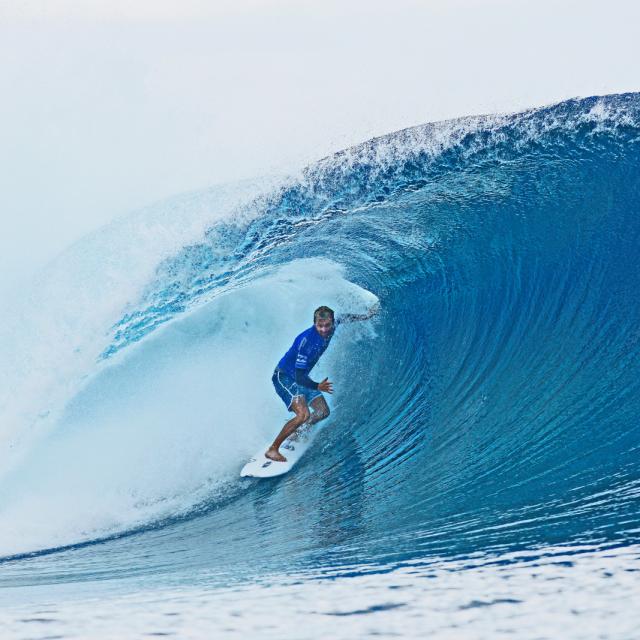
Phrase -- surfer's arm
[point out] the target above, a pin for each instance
(302, 367)
(303, 379)
(355, 317)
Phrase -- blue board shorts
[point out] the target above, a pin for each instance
(287, 388)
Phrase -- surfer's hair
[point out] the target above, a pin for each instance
(323, 313)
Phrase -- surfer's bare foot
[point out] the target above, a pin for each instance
(274, 454)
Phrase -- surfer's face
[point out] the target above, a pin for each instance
(324, 326)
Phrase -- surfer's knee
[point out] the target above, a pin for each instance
(323, 413)
(300, 408)
(301, 418)
(302, 414)
(320, 409)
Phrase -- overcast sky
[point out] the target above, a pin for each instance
(111, 105)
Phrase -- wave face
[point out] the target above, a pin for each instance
(492, 406)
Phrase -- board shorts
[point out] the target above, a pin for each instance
(287, 388)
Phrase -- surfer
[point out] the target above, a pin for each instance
(291, 377)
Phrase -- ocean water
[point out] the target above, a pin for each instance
(478, 475)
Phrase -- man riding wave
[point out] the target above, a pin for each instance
(291, 377)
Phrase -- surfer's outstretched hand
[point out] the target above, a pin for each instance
(325, 385)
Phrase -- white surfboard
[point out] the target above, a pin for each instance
(293, 448)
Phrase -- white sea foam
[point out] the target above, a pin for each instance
(545, 593)
(170, 421)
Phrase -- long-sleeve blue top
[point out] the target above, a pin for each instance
(303, 355)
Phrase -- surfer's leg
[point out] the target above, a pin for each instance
(300, 408)
(320, 410)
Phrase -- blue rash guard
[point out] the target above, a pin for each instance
(303, 355)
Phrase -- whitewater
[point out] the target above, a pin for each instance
(478, 475)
